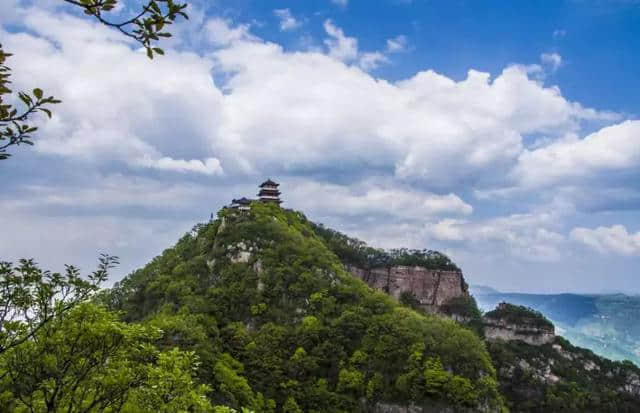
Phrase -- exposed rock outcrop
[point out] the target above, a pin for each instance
(430, 288)
(500, 329)
(510, 322)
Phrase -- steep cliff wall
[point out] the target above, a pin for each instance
(512, 322)
(431, 288)
(503, 330)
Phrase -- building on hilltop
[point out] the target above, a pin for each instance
(243, 204)
(269, 192)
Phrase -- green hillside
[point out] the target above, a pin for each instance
(279, 325)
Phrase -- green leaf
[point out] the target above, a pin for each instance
(37, 92)
(25, 98)
(47, 111)
(158, 50)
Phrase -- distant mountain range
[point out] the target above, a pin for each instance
(606, 324)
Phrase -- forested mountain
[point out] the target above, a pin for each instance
(256, 311)
(281, 326)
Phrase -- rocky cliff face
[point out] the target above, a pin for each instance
(431, 288)
(511, 322)
(503, 330)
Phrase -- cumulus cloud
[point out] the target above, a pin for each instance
(220, 32)
(370, 61)
(127, 110)
(287, 21)
(611, 148)
(112, 191)
(275, 110)
(370, 199)
(614, 239)
(246, 107)
(340, 46)
(210, 166)
(525, 235)
(553, 60)
(345, 48)
(307, 104)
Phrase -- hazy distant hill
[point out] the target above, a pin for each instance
(606, 324)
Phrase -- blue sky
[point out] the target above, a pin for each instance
(506, 136)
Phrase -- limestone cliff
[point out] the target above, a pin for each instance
(503, 330)
(430, 288)
(511, 322)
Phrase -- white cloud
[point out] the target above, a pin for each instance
(220, 32)
(210, 166)
(295, 109)
(114, 190)
(345, 48)
(524, 235)
(553, 60)
(287, 21)
(397, 44)
(128, 110)
(611, 148)
(371, 199)
(340, 46)
(254, 108)
(614, 239)
(277, 110)
(370, 61)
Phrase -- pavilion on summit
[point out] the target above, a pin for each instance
(268, 193)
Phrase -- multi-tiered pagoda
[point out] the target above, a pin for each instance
(269, 192)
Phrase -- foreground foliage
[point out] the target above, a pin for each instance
(15, 128)
(31, 297)
(88, 361)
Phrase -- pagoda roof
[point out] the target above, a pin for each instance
(269, 191)
(269, 182)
